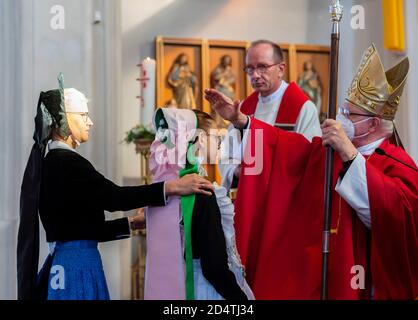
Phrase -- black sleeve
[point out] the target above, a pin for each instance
(117, 198)
(245, 127)
(208, 244)
(93, 188)
(235, 182)
(115, 230)
(344, 169)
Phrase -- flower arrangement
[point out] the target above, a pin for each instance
(142, 136)
(140, 132)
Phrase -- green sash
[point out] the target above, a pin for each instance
(187, 205)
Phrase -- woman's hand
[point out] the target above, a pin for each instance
(137, 221)
(189, 184)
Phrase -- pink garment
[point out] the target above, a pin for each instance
(164, 274)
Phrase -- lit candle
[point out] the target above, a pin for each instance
(147, 90)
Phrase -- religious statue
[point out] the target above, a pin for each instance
(172, 103)
(223, 78)
(184, 82)
(310, 83)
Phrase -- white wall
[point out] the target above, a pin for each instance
(408, 113)
(14, 134)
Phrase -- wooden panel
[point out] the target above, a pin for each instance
(238, 63)
(168, 52)
(241, 88)
(316, 59)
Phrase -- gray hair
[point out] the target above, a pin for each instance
(386, 126)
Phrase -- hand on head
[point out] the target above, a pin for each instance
(189, 184)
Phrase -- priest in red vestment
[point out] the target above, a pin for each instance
(374, 224)
(274, 101)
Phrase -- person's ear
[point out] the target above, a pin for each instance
(375, 124)
(282, 69)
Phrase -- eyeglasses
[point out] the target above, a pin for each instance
(345, 112)
(260, 68)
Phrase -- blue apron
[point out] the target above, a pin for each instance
(75, 272)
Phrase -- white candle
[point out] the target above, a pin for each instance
(147, 90)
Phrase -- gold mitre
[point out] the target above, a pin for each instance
(375, 91)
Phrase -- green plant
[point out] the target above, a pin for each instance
(139, 132)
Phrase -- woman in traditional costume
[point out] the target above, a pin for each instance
(191, 251)
(71, 197)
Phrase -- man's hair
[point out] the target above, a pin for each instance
(277, 51)
(386, 126)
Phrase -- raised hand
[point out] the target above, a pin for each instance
(225, 107)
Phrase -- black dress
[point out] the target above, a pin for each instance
(208, 245)
(74, 196)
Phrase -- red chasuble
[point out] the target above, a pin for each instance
(292, 102)
(279, 222)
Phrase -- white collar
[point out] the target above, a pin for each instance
(369, 148)
(55, 144)
(276, 95)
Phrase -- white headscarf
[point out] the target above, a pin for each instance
(75, 101)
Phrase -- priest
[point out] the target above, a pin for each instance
(273, 101)
(374, 223)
